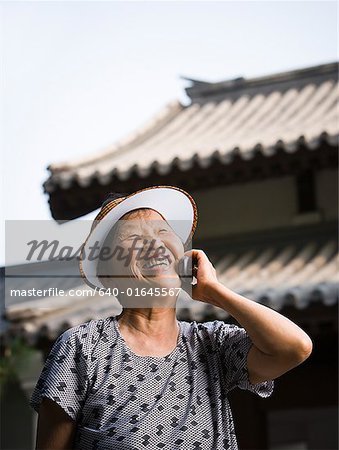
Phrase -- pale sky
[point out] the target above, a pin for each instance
(77, 76)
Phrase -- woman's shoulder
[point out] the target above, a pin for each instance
(205, 327)
(212, 324)
(215, 330)
(88, 333)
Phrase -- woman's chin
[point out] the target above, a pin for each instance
(165, 280)
(156, 271)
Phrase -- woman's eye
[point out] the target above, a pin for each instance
(163, 230)
(134, 236)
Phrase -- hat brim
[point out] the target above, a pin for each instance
(175, 205)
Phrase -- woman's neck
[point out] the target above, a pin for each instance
(149, 332)
(151, 322)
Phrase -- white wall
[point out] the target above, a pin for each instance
(261, 205)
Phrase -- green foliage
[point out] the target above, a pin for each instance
(15, 359)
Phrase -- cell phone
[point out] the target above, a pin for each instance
(187, 269)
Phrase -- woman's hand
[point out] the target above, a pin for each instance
(206, 276)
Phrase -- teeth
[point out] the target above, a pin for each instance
(156, 262)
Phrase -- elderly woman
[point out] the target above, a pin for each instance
(144, 379)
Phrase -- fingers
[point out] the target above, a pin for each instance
(196, 253)
(201, 262)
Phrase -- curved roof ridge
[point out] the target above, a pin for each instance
(135, 137)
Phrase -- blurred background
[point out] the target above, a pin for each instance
(235, 102)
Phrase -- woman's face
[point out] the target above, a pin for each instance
(150, 247)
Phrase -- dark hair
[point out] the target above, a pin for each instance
(113, 196)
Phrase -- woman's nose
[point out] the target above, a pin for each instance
(152, 244)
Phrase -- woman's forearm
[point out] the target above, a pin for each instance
(272, 333)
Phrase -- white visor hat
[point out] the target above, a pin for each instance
(175, 205)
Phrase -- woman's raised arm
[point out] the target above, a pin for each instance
(56, 429)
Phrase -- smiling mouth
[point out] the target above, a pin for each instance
(157, 262)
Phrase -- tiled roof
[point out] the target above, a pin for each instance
(239, 117)
(275, 275)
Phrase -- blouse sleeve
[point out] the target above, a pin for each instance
(234, 345)
(64, 378)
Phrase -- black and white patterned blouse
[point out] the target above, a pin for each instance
(123, 401)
